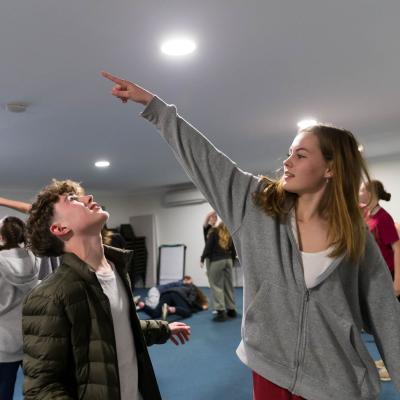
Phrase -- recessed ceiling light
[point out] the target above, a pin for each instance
(102, 164)
(178, 46)
(305, 123)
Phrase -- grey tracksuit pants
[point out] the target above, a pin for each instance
(220, 277)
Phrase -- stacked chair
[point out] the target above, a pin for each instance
(138, 266)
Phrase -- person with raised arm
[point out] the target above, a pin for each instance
(313, 275)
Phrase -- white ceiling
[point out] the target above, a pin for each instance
(260, 67)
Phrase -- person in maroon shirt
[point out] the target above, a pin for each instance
(382, 226)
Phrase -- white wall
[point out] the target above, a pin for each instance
(176, 225)
(388, 172)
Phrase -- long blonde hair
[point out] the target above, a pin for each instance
(339, 204)
(224, 237)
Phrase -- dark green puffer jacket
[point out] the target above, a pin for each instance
(69, 342)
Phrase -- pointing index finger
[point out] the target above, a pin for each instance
(112, 78)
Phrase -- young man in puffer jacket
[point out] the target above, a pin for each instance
(82, 337)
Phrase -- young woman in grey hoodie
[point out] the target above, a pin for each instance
(313, 275)
(18, 275)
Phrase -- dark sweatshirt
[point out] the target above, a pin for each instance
(214, 252)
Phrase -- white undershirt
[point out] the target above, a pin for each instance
(114, 289)
(314, 264)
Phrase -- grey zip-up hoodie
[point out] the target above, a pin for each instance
(307, 340)
(19, 270)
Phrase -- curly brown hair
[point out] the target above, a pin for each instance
(39, 238)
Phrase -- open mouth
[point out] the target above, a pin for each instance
(288, 175)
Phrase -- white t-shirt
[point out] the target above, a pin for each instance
(113, 288)
(314, 264)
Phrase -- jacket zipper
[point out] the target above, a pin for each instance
(302, 338)
(301, 343)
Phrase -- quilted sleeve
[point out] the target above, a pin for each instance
(155, 331)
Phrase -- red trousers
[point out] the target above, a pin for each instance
(266, 390)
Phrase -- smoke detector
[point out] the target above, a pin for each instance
(16, 107)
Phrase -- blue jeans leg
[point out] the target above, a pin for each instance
(8, 376)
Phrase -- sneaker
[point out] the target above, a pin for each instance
(379, 364)
(164, 311)
(214, 312)
(231, 313)
(384, 374)
(220, 316)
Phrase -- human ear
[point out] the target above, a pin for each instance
(59, 230)
(329, 172)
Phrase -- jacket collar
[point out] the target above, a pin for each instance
(120, 258)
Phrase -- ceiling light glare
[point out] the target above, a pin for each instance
(178, 47)
(305, 123)
(102, 164)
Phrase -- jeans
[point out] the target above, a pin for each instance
(172, 299)
(8, 376)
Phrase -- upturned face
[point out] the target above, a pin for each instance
(305, 168)
(79, 214)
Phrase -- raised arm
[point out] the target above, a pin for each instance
(224, 185)
(15, 205)
(126, 90)
(210, 244)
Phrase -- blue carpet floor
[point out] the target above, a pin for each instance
(207, 367)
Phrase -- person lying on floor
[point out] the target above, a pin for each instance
(180, 297)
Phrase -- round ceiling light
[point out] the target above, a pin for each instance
(102, 164)
(305, 123)
(178, 46)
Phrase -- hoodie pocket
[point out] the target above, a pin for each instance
(331, 354)
(11, 339)
(272, 322)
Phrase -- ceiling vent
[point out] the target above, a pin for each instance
(16, 107)
(183, 197)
